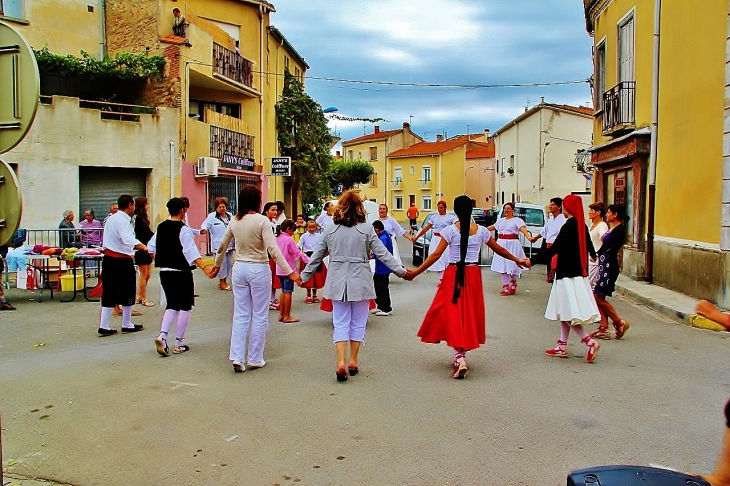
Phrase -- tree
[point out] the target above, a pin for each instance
(348, 173)
(303, 135)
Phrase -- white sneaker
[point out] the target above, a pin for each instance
(383, 313)
(252, 366)
(238, 367)
(375, 311)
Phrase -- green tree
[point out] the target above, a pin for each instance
(350, 172)
(303, 135)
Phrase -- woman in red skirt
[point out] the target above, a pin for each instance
(457, 313)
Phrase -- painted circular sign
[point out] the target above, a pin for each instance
(11, 204)
(21, 87)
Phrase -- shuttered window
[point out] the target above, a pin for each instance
(229, 186)
(100, 187)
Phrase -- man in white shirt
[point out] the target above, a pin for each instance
(119, 282)
(551, 229)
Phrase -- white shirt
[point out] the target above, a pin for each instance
(188, 244)
(392, 226)
(453, 236)
(216, 226)
(119, 234)
(324, 220)
(597, 235)
(308, 241)
(439, 221)
(552, 228)
(281, 218)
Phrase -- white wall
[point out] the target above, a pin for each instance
(64, 137)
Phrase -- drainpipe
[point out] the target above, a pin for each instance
(172, 169)
(441, 195)
(649, 268)
(517, 159)
(102, 30)
(261, 84)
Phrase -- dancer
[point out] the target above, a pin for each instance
(550, 231)
(508, 228)
(308, 243)
(349, 241)
(118, 285)
(608, 271)
(216, 224)
(325, 218)
(174, 247)
(381, 276)
(571, 301)
(251, 278)
(457, 313)
(142, 258)
(438, 222)
(291, 253)
(271, 211)
(596, 213)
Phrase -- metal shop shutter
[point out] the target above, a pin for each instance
(100, 187)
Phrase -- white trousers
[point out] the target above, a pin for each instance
(251, 284)
(226, 266)
(350, 319)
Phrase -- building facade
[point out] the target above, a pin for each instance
(687, 249)
(536, 154)
(374, 148)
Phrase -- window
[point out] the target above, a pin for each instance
(626, 48)
(374, 179)
(197, 109)
(512, 162)
(296, 72)
(426, 203)
(373, 153)
(600, 84)
(398, 176)
(398, 203)
(12, 8)
(496, 169)
(426, 174)
(350, 155)
(286, 63)
(413, 169)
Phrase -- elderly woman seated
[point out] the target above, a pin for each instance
(91, 229)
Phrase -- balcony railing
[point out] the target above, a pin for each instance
(232, 65)
(619, 107)
(227, 142)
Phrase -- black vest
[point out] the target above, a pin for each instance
(169, 249)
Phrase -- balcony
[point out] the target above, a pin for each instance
(425, 184)
(232, 65)
(619, 108)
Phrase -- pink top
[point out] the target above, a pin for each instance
(291, 252)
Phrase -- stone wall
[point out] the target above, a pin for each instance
(132, 26)
(166, 91)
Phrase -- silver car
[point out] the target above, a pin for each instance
(420, 246)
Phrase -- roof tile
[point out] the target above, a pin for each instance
(372, 136)
(429, 148)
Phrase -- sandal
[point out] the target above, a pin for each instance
(225, 287)
(147, 303)
(341, 374)
(593, 347)
(353, 370)
(559, 351)
(621, 328)
(602, 333)
(180, 348)
(161, 345)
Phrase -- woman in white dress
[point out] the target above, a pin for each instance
(216, 224)
(438, 222)
(393, 228)
(598, 228)
(508, 229)
(325, 218)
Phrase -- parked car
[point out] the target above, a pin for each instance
(484, 217)
(420, 246)
(534, 217)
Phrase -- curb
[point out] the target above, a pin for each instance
(662, 309)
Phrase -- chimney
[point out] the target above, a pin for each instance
(406, 126)
(542, 100)
(486, 133)
(377, 129)
(439, 138)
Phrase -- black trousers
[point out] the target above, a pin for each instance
(382, 292)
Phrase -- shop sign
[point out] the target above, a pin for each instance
(281, 166)
(235, 162)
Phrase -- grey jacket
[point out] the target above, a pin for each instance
(349, 277)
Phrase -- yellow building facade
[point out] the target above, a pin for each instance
(690, 240)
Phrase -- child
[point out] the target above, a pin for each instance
(307, 243)
(291, 252)
(300, 229)
(381, 277)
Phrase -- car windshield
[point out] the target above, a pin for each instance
(531, 216)
(477, 212)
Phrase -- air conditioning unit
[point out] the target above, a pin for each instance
(207, 166)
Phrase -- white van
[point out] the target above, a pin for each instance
(371, 209)
(534, 217)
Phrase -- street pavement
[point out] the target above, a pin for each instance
(85, 410)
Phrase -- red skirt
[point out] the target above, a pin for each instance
(275, 284)
(318, 278)
(326, 305)
(461, 325)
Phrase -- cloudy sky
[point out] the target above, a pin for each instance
(464, 42)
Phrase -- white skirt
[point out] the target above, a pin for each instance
(442, 263)
(571, 299)
(502, 265)
(396, 254)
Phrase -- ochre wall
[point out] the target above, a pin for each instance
(691, 101)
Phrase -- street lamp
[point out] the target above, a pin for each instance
(542, 162)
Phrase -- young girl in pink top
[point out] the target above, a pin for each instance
(291, 252)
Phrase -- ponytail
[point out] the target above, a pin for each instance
(462, 208)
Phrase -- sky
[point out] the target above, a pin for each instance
(463, 42)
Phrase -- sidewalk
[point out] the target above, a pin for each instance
(669, 303)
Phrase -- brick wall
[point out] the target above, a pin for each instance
(166, 92)
(132, 26)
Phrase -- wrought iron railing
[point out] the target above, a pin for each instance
(232, 65)
(227, 142)
(619, 107)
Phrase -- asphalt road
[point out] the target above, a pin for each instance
(109, 411)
